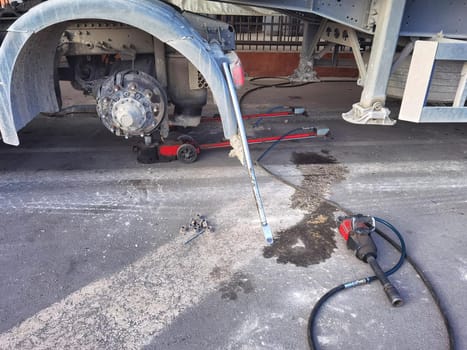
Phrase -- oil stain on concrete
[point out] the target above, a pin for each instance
(312, 240)
(313, 158)
(239, 283)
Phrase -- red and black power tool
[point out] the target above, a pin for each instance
(357, 231)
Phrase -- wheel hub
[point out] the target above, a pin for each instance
(132, 104)
(129, 114)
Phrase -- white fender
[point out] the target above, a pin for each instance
(27, 85)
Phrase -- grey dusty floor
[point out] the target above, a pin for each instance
(91, 256)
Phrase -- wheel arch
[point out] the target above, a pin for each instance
(27, 55)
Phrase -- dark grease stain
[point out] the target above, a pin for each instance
(312, 240)
(216, 273)
(309, 242)
(295, 98)
(313, 158)
(72, 266)
(68, 166)
(240, 283)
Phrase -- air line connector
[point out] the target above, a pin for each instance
(356, 230)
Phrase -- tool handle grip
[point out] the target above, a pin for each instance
(391, 292)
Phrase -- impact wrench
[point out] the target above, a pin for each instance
(357, 230)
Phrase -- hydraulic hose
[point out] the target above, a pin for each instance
(275, 143)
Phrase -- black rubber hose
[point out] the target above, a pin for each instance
(260, 87)
(403, 248)
(314, 313)
(279, 140)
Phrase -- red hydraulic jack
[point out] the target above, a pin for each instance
(186, 149)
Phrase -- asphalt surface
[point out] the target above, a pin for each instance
(91, 254)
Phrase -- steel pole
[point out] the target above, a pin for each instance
(246, 152)
(382, 52)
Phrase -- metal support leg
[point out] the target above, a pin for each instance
(311, 36)
(246, 151)
(370, 109)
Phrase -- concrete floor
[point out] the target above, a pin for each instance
(91, 256)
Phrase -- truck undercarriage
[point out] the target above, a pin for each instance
(136, 71)
(133, 65)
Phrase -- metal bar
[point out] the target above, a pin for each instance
(270, 43)
(406, 51)
(281, 30)
(160, 61)
(355, 45)
(455, 51)
(226, 144)
(195, 236)
(311, 36)
(443, 115)
(461, 93)
(269, 115)
(418, 80)
(382, 52)
(246, 151)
